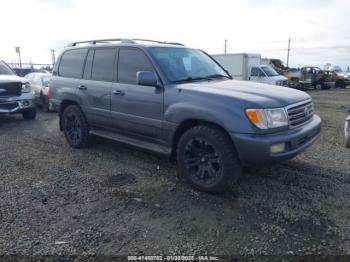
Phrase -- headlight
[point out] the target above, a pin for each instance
(268, 118)
(26, 88)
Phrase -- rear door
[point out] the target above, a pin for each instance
(136, 109)
(67, 74)
(94, 89)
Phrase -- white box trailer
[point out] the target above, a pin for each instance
(238, 64)
(248, 67)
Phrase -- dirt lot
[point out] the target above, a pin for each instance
(111, 200)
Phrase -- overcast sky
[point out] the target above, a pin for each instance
(261, 26)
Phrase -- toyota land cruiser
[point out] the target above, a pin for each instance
(180, 102)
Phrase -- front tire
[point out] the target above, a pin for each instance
(207, 159)
(29, 114)
(75, 127)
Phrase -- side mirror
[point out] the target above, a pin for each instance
(147, 78)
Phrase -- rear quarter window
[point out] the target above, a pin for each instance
(72, 63)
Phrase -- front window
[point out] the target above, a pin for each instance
(5, 69)
(269, 71)
(184, 64)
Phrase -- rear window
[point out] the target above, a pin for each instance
(72, 63)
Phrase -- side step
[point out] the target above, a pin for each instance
(148, 146)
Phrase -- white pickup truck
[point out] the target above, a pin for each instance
(248, 67)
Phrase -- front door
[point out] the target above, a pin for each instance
(136, 109)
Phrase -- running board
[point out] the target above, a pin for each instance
(148, 146)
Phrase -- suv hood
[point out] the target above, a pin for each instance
(263, 95)
(12, 78)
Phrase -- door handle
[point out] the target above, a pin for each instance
(118, 92)
(82, 87)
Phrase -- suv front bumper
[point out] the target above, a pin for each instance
(17, 104)
(255, 150)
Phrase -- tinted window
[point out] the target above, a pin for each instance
(130, 62)
(255, 71)
(88, 64)
(103, 65)
(72, 62)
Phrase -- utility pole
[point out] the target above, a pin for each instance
(53, 57)
(288, 52)
(18, 50)
(225, 47)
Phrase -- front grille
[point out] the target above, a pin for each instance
(10, 89)
(300, 113)
(8, 106)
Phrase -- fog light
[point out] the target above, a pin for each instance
(26, 103)
(277, 148)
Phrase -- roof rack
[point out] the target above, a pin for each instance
(120, 40)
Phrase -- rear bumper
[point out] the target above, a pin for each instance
(255, 150)
(17, 104)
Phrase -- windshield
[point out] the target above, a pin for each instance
(269, 71)
(184, 64)
(5, 69)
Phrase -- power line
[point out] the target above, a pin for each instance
(306, 48)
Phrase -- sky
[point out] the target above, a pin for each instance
(319, 29)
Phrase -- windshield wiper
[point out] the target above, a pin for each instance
(216, 76)
(189, 79)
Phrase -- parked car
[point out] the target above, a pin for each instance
(178, 102)
(40, 86)
(25, 71)
(16, 95)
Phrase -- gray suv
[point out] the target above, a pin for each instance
(178, 102)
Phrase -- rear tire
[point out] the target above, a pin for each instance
(29, 114)
(75, 127)
(207, 159)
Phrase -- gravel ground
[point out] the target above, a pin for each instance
(112, 200)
